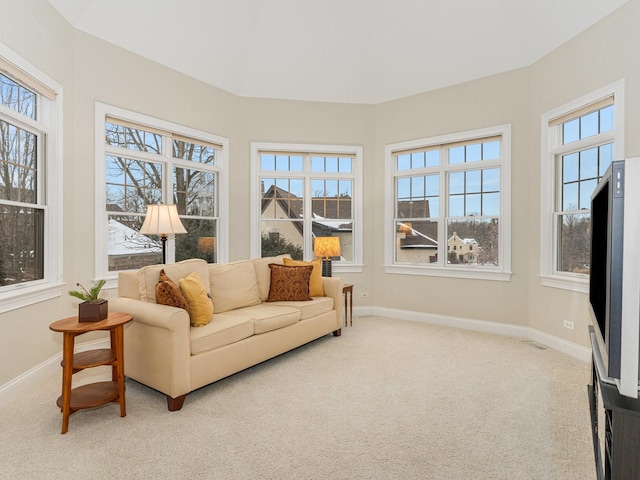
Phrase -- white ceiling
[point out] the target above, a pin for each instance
(355, 51)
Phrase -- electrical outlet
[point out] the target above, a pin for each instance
(364, 294)
(568, 324)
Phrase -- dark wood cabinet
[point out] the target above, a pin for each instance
(615, 426)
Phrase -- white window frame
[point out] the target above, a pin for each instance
(50, 123)
(357, 152)
(503, 272)
(102, 111)
(552, 148)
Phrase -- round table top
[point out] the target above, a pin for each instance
(72, 325)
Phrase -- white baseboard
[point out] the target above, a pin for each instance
(559, 344)
(28, 379)
(21, 384)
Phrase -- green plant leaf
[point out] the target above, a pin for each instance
(95, 290)
(91, 295)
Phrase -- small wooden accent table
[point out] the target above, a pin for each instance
(94, 394)
(347, 291)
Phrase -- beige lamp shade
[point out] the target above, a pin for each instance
(161, 220)
(326, 247)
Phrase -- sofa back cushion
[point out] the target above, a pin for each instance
(233, 285)
(263, 273)
(149, 276)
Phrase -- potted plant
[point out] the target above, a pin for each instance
(93, 308)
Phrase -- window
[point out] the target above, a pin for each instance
(30, 145)
(448, 208)
(303, 192)
(144, 161)
(579, 141)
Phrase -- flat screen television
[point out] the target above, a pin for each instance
(614, 276)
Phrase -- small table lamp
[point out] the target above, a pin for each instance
(207, 245)
(326, 247)
(162, 220)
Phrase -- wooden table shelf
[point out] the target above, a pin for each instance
(98, 393)
(92, 358)
(91, 395)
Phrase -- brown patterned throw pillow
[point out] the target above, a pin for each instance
(168, 293)
(316, 286)
(289, 284)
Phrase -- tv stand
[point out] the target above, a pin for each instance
(616, 442)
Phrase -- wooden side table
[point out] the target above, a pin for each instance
(347, 291)
(99, 393)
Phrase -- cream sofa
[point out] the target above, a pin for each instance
(163, 351)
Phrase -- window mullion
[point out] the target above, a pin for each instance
(307, 213)
(41, 194)
(167, 173)
(443, 250)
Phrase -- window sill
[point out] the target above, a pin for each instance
(475, 274)
(22, 296)
(346, 268)
(573, 284)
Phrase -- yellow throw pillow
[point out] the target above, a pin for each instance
(316, 288)
(200, 306)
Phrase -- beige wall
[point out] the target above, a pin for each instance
(497, 100)
(605, 53)
(91, 70)
(34, 30)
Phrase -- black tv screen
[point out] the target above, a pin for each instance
(599, 257)
(614, 276)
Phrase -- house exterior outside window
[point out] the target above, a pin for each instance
(579, 142)
(142, 161)
(30, 173)
(448, 210)
(302, 192)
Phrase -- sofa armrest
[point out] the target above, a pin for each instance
(333, 288)
(154, 314)
(157, 345)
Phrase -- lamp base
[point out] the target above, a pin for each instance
(163, 237)
(326, 267)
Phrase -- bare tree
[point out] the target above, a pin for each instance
(20, 226)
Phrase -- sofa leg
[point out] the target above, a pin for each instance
(337, 333)
(175, 404)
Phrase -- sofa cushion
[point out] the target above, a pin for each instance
(315, 282)
(168, 293)
(200, 306)
(233, 285)
(148, 276)
(224, 329)
(289, 283)
(267, 317)
(319, 306)
(263, 273)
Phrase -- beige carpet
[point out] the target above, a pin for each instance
(388, 400)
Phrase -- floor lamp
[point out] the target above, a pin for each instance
(162, 220)
(325, 248)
